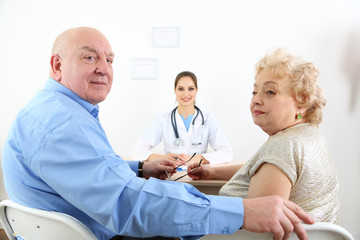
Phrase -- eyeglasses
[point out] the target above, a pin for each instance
(190, 171)
(184, 162)
(169, 176)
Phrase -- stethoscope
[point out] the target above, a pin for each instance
(178, 140)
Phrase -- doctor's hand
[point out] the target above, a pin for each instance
(203, 172)
(275, 215)
(176, 158)
(158, 168)
(196, 159)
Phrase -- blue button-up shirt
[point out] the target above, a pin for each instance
(57, 157)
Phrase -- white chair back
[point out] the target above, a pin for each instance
(317, 231)
(36, 224)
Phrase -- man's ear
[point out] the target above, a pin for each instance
(55, 70)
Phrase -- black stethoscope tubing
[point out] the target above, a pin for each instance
(174, 124)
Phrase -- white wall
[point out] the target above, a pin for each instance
(220, 40)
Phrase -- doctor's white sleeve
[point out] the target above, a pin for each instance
(149, 139)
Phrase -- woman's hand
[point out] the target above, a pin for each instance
(203, 172)
(219, 172)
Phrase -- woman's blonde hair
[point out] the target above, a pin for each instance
(303, 81)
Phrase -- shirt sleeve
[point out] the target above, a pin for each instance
(219, 142)
(280, 153)
(76, 160)
(134, 166)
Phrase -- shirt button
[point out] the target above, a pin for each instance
(225, 230)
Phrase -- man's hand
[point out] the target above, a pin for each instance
(158, 168)
(176, 158)
(276, 215)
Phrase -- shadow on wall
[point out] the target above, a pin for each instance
(351, 67)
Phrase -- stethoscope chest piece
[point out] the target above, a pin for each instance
(179, 142)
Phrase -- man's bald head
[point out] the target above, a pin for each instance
(81, 60)
(69, 35)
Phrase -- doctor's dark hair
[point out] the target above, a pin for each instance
(186, 74)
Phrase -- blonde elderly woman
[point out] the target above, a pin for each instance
(294, 162)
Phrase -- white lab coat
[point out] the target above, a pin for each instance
(162, 130)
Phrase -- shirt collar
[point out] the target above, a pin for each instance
(54, 85)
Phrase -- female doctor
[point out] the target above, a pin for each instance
(185, 130)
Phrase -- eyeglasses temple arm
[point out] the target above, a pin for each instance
(190, 171)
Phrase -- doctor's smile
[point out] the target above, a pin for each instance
(186, 99)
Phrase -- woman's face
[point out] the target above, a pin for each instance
(273, 108)
(186, 91)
